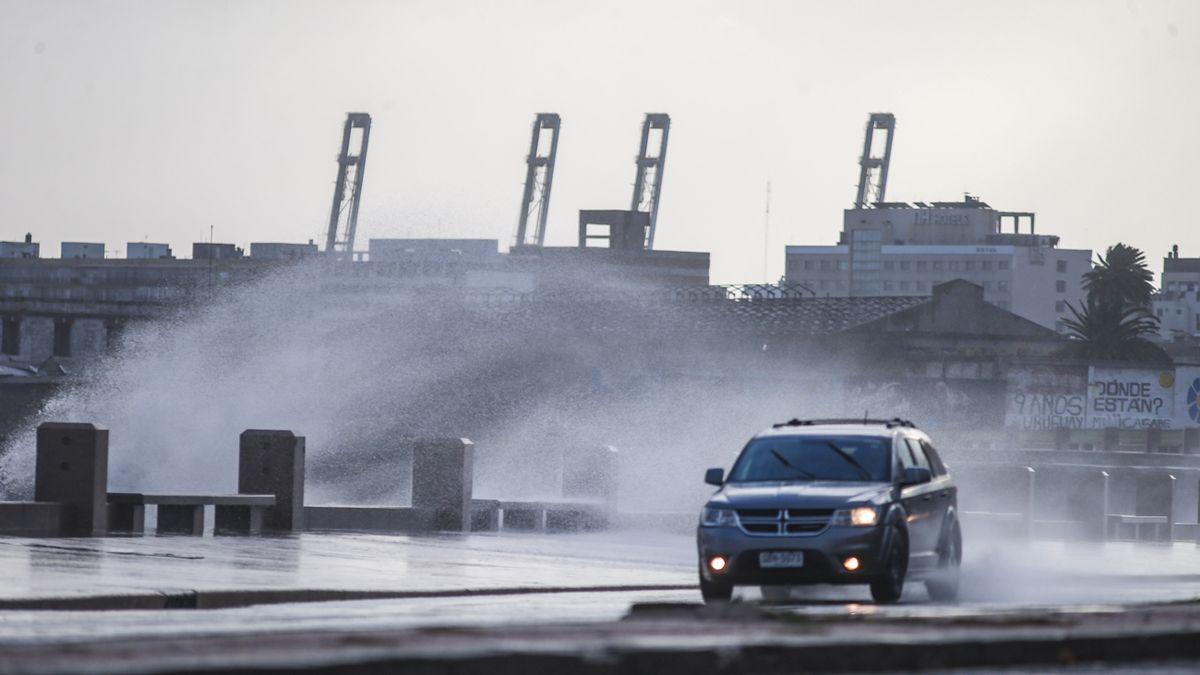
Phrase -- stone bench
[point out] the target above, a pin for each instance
(540, 516)
(184, 514)
(1116, 520)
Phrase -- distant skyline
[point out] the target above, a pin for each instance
(154, 120)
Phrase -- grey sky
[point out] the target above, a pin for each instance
(131, 121)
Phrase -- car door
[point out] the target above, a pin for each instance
(920, 501)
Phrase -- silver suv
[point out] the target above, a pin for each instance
(832, 502)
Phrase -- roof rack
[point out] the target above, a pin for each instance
(891, 424)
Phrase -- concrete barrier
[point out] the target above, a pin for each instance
(1071, 502)
(271, 462)
(591, 473)
(1156, 497)
(72, 469)
(996, 497)
(443, 477)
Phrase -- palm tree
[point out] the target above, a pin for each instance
(1113, 331)
(1120, 277)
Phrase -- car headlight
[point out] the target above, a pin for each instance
(859, 516)
(717, 517)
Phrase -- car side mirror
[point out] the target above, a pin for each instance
(915, 476)
(715, 477)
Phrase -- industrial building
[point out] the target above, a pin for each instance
(901, 249)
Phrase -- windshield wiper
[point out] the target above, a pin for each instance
(862, 471)
(783, 460)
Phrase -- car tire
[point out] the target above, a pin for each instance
(715, 591)
(943, 586)
(889, 586)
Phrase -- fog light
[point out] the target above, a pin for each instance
(717, 564)
(851, 564)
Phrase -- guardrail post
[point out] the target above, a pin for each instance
(271, 462)
(443, 477)
(72, 469)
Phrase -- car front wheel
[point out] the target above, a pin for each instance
(890, 585)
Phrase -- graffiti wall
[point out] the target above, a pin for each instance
(1100, 398)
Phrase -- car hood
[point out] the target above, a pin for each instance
(817, 494)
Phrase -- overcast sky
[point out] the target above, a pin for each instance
(151, 121)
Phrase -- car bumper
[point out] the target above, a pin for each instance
(824, 555)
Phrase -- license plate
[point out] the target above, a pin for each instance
(781, 559)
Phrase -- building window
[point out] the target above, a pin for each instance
(1002, 286)
(1003, 265)
(1060, 286)
(986, 265)
(843, 265)
(889, 285)
(1171, 286)
(921, 265)
(937, 265)
(888, 265)
(921, 286)
(905, 265)
(1060, 306)
(62, 337)
(970, 265)
(953, 265)
(808, 265)
(824, 284)
(841, 284)
(824, 265)
(10, 341)
(1062, 266)
(904, 285)
(1198, 322)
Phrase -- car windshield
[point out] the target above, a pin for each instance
(839, 458)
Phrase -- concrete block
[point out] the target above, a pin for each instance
(127, 518)
(272, 462)
(72, 469)
(237, 519)
(443, 476)
(181, 519)
(485, 515)
(591, 473)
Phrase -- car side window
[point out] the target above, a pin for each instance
(914, 447)
(902, 450)
(939, 469)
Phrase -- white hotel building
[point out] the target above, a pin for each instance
(900, 249)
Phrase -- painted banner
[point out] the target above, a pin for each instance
(1047, 397)
(1130, 398)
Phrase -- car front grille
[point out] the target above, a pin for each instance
(783, 522)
